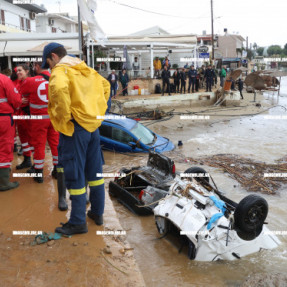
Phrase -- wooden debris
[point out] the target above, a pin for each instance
(249, 173)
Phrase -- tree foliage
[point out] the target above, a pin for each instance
(274, 50)
(260, 51)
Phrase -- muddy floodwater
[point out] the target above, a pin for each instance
(257, 137)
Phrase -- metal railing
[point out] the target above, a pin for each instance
(4, 23)
(142, 74)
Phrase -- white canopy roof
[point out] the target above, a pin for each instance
(32, 44)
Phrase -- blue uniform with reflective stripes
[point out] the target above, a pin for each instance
(81, 158)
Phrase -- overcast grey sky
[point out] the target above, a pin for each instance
(264, 22)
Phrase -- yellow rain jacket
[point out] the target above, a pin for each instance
(157, 64)
(76, 92)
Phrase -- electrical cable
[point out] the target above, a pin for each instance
(153, 12)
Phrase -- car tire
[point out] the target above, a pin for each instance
(196, 169)
(163, 231)
(250, 214)
(191, 253)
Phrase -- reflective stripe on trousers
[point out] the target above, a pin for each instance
(96, 182)
(77, 191)
(5, 163)
(55, 159)
(39, 163)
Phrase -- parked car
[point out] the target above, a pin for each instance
(128, 135)
(213, 226)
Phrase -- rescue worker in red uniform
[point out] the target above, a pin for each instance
(10, 100)
(23, 125)
(41, 129)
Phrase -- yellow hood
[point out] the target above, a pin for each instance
(76, 92)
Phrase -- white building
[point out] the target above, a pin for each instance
(56, 23)
(18, 18)
(148, 44)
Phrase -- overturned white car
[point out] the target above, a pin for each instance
(216, 227)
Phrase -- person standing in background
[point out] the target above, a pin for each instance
(240, 87)
(165, 75)
(136, 67)
(166, 63)
(222, 76)
(113, 79)
(215, 75)
(124, 79)
(176, 80)
(209, 75)
(157, 67)
(192, 78)
(182, 80)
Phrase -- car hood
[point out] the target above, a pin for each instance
(162, 144)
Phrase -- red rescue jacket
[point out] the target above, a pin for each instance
(37, 89)
(10, 99)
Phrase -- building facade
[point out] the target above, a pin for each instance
(18, 18)
(56, 23)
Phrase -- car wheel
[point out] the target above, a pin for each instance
(250, 214)
(162, 225)
(197, 170)
(191, 250)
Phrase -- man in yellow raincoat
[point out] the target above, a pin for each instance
(157, 67)
(78, 98)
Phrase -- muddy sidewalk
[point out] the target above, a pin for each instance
(83, 260)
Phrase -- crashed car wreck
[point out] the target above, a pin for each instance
(214, 226)
(139, 183)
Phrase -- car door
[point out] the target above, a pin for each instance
(116, 138)
(122, 138)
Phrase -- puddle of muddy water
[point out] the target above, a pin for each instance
(255, 137)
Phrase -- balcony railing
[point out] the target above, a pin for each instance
(9, 25)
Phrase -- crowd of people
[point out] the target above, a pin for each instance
(183, 80)
(188, 79)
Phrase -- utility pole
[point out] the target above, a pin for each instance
(80, 34)
(59, 3)
(212, 34)
(246, 43)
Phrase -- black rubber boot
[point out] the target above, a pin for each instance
(5, 184)
(54, 172)
(26, 163)
(39, 178)
(99, 220)
(62, 204)
(70, 229)
(31, 169)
